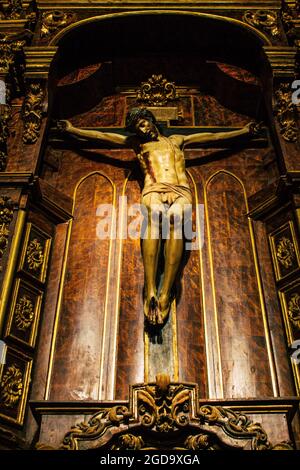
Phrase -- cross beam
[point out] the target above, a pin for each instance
(260, 141)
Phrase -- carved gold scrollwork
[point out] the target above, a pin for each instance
(96, 426)
(5, 113)
(6, 215)
(12, 64)
(15, 11)
(52, 21)
(128, 442)
(24, 313)
(265, 19)
(294, 310)
(35, 255)
(156, 91)
(164, 408)
(285, 113)
(32, 113)
(289, 18)
(285, 252)
(12, 61)
(11, 387)
(168, 408)
(237, 424)
(199, 442)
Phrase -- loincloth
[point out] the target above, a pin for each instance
(165, 189)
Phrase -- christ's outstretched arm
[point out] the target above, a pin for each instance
(111, 138)
(251, 129)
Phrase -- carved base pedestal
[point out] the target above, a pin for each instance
(166, 416)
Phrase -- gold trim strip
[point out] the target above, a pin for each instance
(58, 310)
(264, 313)
(146, 357)
(175, 342)
(211, 264)
(54, 41)
(117, 311)
(11, 265)
(201, 285)
(62, 282)
(118, 5)
(260, 287)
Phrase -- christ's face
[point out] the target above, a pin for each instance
(146, 130)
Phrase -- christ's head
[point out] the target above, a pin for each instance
(142, 122)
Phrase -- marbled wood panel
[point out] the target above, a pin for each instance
(75, 165)
(79, 342)
(130, 362)
(109, 112)
(23, 157)
(244, 357)
(191, 341)
(40, 220)
(281, 355)
(291, 153)
(248, 165)
(209, 112)
(40, 371)
(54, 427)
(275, 425)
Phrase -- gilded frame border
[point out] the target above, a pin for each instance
(26, 383)
(38, 294)
(47, 239)
(271, 236)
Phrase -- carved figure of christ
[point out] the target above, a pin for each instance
(166, 189)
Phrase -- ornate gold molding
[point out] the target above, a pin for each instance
(5, 113)
(285, 252)
(35, 255)
(166, 415)
(12, 61)
(156, 91)
(6, 216)
(290, 19)
(38, 61)
(11, 387)
(33, 112)
(14, 386)
(53, 21)
(24, 313)
(265, 19)
(294, 310)
(129, 442)
(285, 113)
(14, 10)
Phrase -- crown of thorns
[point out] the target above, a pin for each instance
(135, 114)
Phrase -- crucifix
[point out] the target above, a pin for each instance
(166, 192)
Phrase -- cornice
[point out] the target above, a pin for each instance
(144, 4)
(38, 60)
(282, 60)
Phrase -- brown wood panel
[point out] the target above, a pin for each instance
(282, 361)
(79, 342)
(190, 328)
(244, 356)
(130, 361)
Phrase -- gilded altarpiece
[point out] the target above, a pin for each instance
(75, 300)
